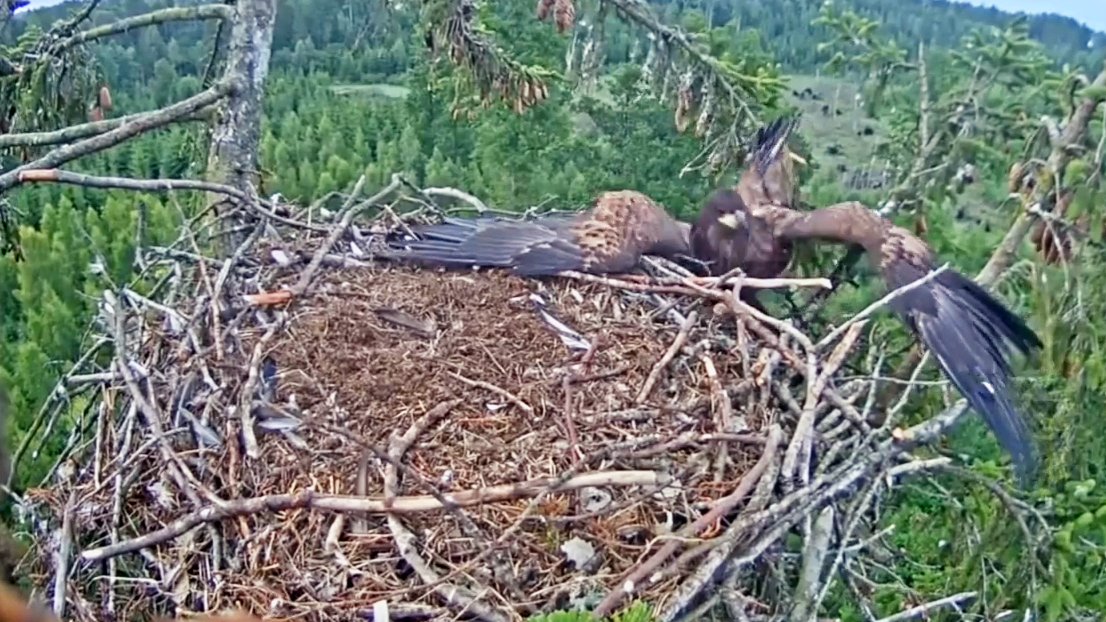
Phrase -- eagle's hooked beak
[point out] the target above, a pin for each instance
(798, 158)
(731, 220)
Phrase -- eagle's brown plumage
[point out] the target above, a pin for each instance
(750, 245)
(611, 237)
(768, 179)
(964, 326)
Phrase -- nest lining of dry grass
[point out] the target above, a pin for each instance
(427, 439)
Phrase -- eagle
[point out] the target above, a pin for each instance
(968, 330)
(722, 244)
(610, 237)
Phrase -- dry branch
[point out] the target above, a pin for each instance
(84, 130)
(144, 123)
(175, 14)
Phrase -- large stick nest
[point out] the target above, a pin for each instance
(245, 456)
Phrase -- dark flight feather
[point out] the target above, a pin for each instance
(968, 330)
(610, 237)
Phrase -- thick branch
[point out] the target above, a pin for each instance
(176, 14)
(149, 121)
(140, 185)
(374, 505)
(84, 130)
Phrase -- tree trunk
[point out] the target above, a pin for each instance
(232, 156)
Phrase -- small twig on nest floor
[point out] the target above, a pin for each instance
(677, 343)
(494, 389)
(569, 421)
(723, 410)
(348, 212)
(374, 505)
(245, 400)
(399, 446)
(405, 540)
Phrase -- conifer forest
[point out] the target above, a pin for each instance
(226, 384)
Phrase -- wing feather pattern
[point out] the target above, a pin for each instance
(610, 237)
(970, 333)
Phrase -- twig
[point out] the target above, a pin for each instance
(454, 193)
(799, 450)
(174, 14)
(494, 389)
(814, 558)
(373, 505)
(723, 419)
(83, 130)
(349, 210)
(923, 610)
(721, 507)
(399, 446)
(55, 175)
(677, 343)
(245, 399)
(882, 302)
(405, 540)
(61, 555)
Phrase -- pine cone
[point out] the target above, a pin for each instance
(105, 98)
(564, 14)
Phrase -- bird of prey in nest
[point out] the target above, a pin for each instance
(720, 243)
(965, 327)
(717, 240)
(610, 237)
(754, 227)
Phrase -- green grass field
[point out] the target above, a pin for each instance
(390, 91)
(837, 138)
(844, 134)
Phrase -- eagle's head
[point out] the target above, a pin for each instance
(726, 208)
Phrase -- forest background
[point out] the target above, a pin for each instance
(352, 91)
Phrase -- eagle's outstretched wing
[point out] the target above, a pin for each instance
(969, 333)
(610, 237)
(967, 329)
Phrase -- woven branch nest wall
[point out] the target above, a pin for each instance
(459, 378)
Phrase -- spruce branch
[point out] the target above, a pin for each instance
(145, 123)
(453, 28)
(84, 130)
(722, 96)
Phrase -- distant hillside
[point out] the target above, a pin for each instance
(785, 28)
(784, 25)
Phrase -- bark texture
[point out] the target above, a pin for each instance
(232, 156)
